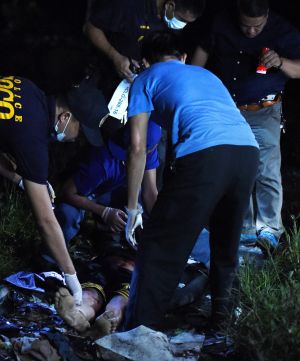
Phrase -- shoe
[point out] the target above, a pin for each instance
(267, 241)
(247, 239)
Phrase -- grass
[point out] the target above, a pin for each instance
(268, 328)
(18, 234)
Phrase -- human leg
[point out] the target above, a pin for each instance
(184, 206)
(225, 228)
(115, 273)
(79, 317)
(69, 218)
(265, 125)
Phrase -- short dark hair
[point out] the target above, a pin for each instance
(196, 7)
(158, 44)
(253, 8)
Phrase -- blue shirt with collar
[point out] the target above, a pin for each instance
(101, 172)
(234, 57)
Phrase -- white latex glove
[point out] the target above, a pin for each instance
(21, 184)
(51, 192)
(134, 220)
(114, 218)
(74, 286)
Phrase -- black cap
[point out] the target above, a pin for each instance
(88, 106)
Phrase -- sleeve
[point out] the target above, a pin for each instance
(152, 160)
(289, 41)
(108, 15)
(32, 160)
(140, 100)
(91, 173)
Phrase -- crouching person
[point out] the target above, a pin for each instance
(99, 185)
(28, 121)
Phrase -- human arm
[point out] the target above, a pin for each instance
(200, 57)
(114, 218)
(51, 233)
(100, 41)
(136, 156)
(149, 189)
(136, 160)
(291, 68)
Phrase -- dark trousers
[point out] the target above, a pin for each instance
(210, 187)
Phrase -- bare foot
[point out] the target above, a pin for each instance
(108, 321)
(69, 312)
(104, 325)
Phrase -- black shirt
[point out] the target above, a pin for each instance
(234, 57)
(26, 115)
(125, 23)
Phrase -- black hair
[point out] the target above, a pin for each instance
(61, 100)
(158, 44)
(253, 8)
(196, 7)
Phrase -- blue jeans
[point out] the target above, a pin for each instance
(267, 196)
(201, 250)
(70, 217)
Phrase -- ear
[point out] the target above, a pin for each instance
(64, 116)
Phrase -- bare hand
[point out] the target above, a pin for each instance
(271, 59)
(122, 66)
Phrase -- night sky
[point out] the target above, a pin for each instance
(43, 40)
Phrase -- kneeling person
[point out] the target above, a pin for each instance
(99, 185)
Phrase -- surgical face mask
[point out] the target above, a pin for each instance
(60, 136)
(174, 23)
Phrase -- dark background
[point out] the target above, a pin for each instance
(43, 41)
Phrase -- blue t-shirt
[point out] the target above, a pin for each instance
(192, 104)
(25, 119)
(100, 172)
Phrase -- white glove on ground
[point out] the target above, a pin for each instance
(74, 286)
(134, 220)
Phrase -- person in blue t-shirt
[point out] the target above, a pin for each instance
(28, 121)
(99, 185)
(213, 160)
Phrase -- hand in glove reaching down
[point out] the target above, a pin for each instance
(134, 220)
(74, 286)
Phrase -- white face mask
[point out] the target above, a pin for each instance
(174, 23)
(60, 136)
